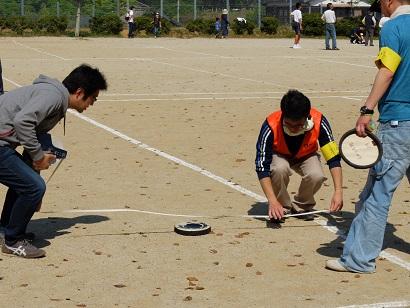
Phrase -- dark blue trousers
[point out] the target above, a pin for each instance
(26, 189)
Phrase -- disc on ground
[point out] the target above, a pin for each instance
(192, 228)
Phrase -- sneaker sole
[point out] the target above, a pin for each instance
(10, 253)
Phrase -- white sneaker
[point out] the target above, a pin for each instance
(295, 46)
(335, 265)
(298, 46)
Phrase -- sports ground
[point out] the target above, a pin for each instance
(174, 138)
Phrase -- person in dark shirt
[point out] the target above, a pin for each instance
(156, 25)
(288, 141)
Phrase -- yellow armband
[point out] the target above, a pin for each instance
(389, 58)
(330, 150)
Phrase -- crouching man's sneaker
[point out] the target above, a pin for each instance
(335, 265)
(23, 249)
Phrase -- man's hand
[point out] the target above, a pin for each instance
(45, 162)
(336, 203)
(361, 125)
(275, 210)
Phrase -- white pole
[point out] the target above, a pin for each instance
(227, 5)
(22, 7)
(161, 8)
(194, 9)
(259, 14)
(290, 10)
(178, 11)
(58, 8)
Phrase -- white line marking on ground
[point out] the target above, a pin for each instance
(171, 158)
(216, 98)
(381, 305)
(39, 50)
(220, 74)
(12, 82)
(356, 98)
(346, 63)
(225, 93)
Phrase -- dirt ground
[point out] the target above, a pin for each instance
(175, 134)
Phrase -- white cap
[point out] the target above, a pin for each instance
(224, 11)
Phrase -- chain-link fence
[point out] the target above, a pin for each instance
(177, 11)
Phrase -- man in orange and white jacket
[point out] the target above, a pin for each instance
(288, 141)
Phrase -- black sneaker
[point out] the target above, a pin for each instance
(23, 249)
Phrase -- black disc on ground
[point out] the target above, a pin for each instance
(192, 228)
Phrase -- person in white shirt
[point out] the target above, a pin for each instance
(131, 24)
(329, 18)
(297, 24)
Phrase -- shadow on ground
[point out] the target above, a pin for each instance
(51, 227)
(342, 221)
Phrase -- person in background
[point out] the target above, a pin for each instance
(218, 27)
(297, 24)
(329, 18)
(131, 25)
(288, 142)
(156, 25)
(224, 23)
(369, 22)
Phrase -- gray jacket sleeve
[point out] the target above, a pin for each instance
(28, 119)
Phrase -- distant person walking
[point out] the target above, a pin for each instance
(297, 24)
(329, 17)
(224, 23)
(217, 27)
(369, 24)
(1, 80)
(156, 25)
(131, 25)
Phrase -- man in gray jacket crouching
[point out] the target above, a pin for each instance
(26, 113)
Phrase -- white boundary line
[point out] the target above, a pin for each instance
(171, 158)
(381, 305)
(227, 93)
(219, 98)
(209, 174)
(39, 50)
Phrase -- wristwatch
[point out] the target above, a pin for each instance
(366, 111)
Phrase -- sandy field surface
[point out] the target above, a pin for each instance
(175, 135)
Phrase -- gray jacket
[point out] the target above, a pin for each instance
(31, 110)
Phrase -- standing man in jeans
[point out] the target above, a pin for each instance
(329, 18)
(131, 24)
(369, 24)
(26, 113)
(390, 93)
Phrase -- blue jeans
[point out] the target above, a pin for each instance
(365, 239)
(330, 31)
(26, 189)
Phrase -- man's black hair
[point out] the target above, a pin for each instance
(131, 7)
(295, 105)
(329, 5)
(298, 5)
(85, 77)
